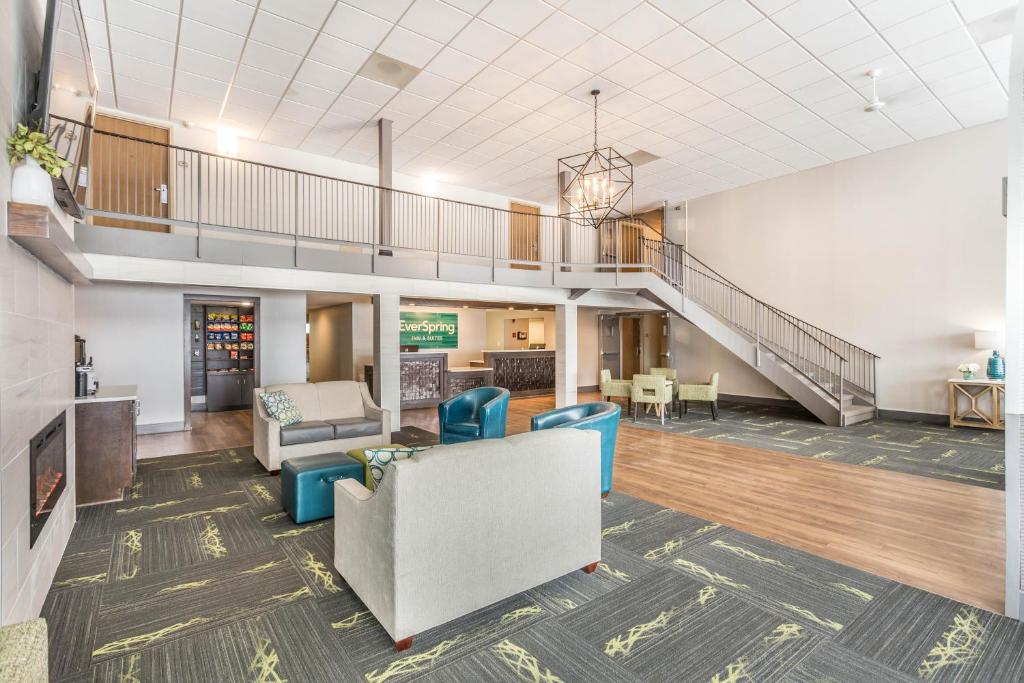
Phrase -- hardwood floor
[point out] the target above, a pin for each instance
(944, 537)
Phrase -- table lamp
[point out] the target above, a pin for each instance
(996, 368)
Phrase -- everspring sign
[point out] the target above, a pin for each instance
(429, 330)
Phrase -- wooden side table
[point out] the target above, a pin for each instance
(974, 413)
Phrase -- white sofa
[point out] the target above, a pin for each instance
(336, 416)
(456, 528)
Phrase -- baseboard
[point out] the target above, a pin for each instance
(593, 387)
(160, 427)
(760, 400)
(911, 416)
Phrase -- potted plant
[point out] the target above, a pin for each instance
(967, 369)
(35, 160)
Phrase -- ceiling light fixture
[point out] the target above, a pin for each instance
(875, 104)
(598, 181)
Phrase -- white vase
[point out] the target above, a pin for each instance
(30, 184)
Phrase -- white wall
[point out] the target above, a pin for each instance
(135, 333)
(900, 252)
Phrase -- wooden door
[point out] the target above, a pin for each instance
(524, 235)
(130, 176)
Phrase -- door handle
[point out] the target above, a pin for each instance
(163, 192)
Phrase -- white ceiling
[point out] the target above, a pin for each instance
(727, 92)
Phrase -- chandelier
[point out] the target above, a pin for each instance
(598, 182)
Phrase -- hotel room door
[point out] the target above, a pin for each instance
(524, 235)
(129, 175)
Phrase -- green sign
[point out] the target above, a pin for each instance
(429, 330)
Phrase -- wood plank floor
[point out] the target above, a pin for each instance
(944, 537)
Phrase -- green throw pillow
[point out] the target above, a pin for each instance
(281, 408)
(379, 458)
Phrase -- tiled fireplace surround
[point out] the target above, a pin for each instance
(36, 361)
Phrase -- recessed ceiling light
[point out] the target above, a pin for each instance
(641, 157)
(388, 70)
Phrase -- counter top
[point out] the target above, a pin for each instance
(122, 392)
(466, 368)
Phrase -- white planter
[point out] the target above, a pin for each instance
(30, 184)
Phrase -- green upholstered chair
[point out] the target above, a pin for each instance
(668, 373)
(615, 388)
(651, 390)
(700, 392)
(23, 652)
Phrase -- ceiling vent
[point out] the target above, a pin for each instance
(640, 157)
(388, 70)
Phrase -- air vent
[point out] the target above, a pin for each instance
(640, 157)
(388, 70)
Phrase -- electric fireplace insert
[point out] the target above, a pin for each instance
(47, 474)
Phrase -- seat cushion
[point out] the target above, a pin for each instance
(280, 407)
(307, 484)
(464, 428)
(351, 427)
(310, 431)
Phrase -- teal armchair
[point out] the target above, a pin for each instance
(601, 416)
(478, 413)
(707, 393)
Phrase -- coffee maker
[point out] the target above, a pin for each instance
(85, 377)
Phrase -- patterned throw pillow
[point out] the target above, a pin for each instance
(379, 458)
(281, 408)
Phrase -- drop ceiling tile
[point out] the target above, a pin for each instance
(516, 16)
(308, 12)
(193, 61)
(688, 100)
(249, 122)
(356, 26)
(944, 45)
(311, 95)
(434, 19)
(270, 59)
(322, 76)
(704, 65)
(385, 9)
(448, 116)
(353, 108)
(533, 95)
(663, 84)
(753, 94)
(370, 91)
(564, 108)
(471, 100)
(922, 27)
(653, 116)
(778, 59)
(537, 123)
(281, 33)
(632, 70)
(430, 131)
(753, 40)
(724, 19)
(683, 10)
(640, 26)
(187, 107)
(729, 81)
(806, 15)
(142, 46)
(838, 33)
(769, 109)
(200, 86)
(558, 34)
(597, 54)
(483, 41)
(495, 81)
(143, 18)
(525, 60)
(673, 47)
(338, 54)
(228, 15)
(505, 112)
(598, 14)
(455, 65)
(252, 100)
(885, 13)
(299, 112)
(143, 90)
(869, 49)
(711, 112)
(409, 47)
(562, 76)
(799, 76)
(261, 81)
(431, 86)
(818, 91)
(482, 126)
(967, 80)
(140, 70)
(204, 38)
(412, 105)
(979, 9)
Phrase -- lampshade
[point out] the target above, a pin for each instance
(991, 339)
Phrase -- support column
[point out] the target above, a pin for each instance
(384, 167)
(387, 360)
(565, 354)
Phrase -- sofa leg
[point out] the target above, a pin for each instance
(403, 644)
(714, 410)
(605, 494)
(590, 568)
(275, 473)
(686, 407)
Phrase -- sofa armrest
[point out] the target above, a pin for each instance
(266, 436)
(354, 489)
(374, 412)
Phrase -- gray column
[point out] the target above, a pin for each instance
(386, 357)
(1015, 329)
(384, 166)
(565, 354)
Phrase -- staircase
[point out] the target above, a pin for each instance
(831, 377)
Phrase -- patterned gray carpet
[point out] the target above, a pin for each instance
(966, 455)
(199, 576)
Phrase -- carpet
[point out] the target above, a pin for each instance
(968, 456)
(198, 575)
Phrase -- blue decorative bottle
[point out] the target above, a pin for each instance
(996, 366)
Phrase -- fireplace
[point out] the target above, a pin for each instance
(47, 474)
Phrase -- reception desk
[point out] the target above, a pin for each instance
(427, 379)
(524, 373)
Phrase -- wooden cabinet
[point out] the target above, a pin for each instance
(228, 390)
(105, 449)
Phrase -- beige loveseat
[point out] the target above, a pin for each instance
(456, 528)
(336, 416)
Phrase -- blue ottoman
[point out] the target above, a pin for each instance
(307, 484)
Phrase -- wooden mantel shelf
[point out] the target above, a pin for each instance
(39, 231)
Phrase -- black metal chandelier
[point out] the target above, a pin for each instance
(598, 182)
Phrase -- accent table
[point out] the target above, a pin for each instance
(975, 415)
